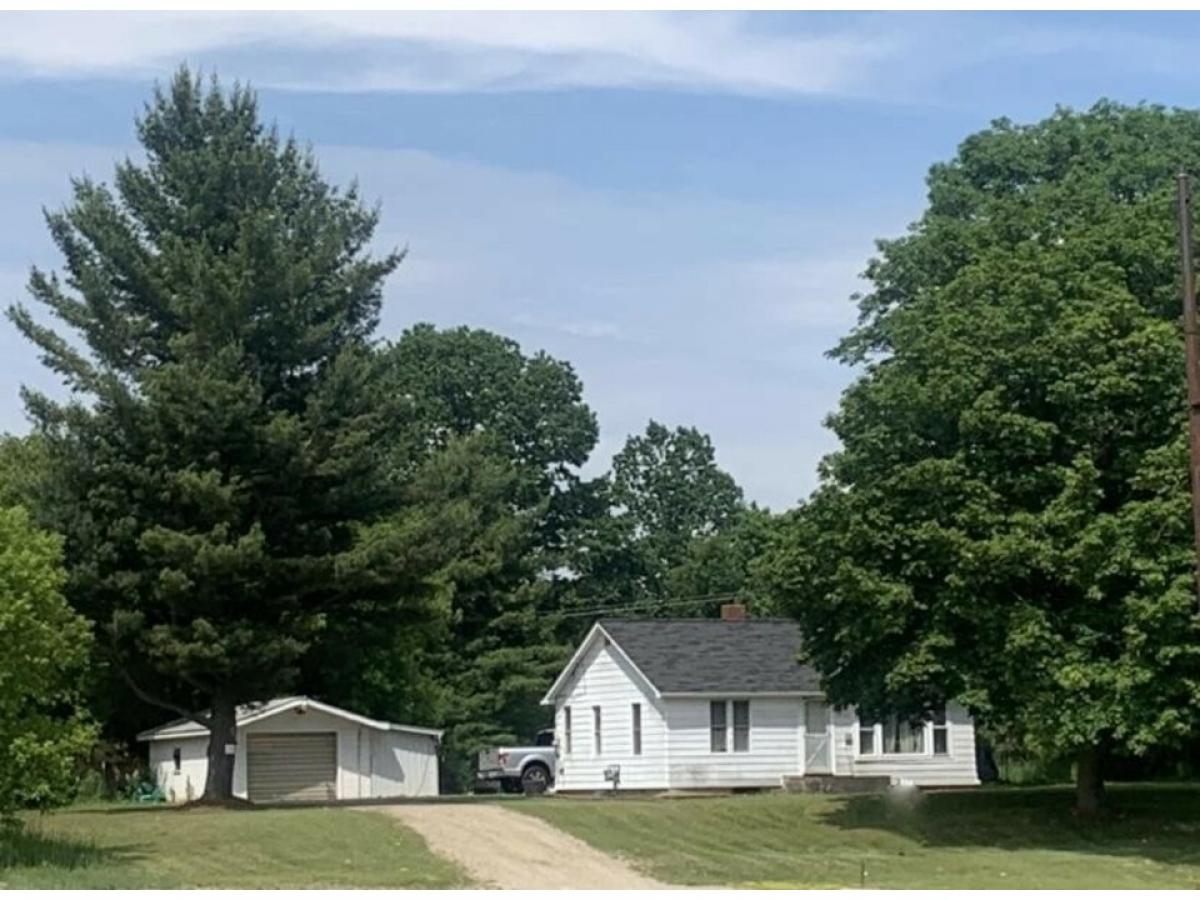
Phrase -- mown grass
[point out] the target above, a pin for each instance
(987, 838)
(139, 847)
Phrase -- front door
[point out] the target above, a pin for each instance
(818, 745)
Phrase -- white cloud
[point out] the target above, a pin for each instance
(452, 51)
(689, 309)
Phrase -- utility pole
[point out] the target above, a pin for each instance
(1191, 334)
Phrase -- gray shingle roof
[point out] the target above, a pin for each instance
(712, 655)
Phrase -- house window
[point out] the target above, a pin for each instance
(941, 733)
(741, 726)
(866, 738)
(897, 735)
(637, 729)
(177, 755)
(717, 725)
(567, 726)
(903, 736)
(597, 748)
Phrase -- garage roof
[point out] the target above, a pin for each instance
(256, 712)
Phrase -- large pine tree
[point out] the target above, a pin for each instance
(219, 455)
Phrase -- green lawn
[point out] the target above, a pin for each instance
(988, 838)
(138, 847)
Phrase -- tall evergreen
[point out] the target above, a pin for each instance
(487, 457)
(219, 456)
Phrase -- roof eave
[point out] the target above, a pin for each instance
(176, 731)
(569, 668)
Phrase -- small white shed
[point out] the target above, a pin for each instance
(299, 750)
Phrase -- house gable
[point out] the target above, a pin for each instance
(584, 656)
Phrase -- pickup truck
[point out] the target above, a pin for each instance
(528, 769)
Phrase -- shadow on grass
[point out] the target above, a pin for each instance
(29, 847)
(183, 808)
(1159, 822)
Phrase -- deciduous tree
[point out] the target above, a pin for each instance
(1006, 523)
(661, 524)
(44, 646)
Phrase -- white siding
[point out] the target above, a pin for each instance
(845, 724)
(371, 763)
(952, 769)
(188, 783)
(774, 745)
(606, 680)
(676, 748)
(401, 764)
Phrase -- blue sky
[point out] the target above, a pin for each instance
(678, 204)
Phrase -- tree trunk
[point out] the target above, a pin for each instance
(1089, 781)
(222, 741)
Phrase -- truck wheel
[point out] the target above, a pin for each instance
(535, 779)
(511, 785)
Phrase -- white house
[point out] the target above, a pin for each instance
(295, 749)
(679, 704)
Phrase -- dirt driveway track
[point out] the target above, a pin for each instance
(504, 849)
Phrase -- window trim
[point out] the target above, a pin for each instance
(944, 727)
(567, 733)
(733, 725)
(864, 728)
(728, 728)
(597, 732)
(635, 725)
(722, 729)
(878, 753)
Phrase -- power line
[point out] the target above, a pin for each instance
(696, 600)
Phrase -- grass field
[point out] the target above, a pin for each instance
(995, 838)
(138, 847)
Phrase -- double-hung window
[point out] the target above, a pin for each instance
(741, 726)
(718, 727)
(597, 745)
(721, 715)
(567, 726)
(941, 733)
(866, 738)
(636, 714)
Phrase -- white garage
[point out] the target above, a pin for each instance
(299, 750)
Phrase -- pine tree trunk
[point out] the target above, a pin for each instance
(218, 785)
(1089, 781)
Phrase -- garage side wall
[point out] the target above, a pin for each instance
(187, 783)
(400, 764)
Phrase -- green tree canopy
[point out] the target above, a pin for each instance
(1006, 523)
(221, 457)
(23, 469)
(487, 453)
(661, 522)
(44, 647)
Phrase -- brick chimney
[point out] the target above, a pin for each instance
(733, 612)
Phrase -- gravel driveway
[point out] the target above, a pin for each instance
(504, 849)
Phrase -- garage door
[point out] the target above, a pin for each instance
(292, 768)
